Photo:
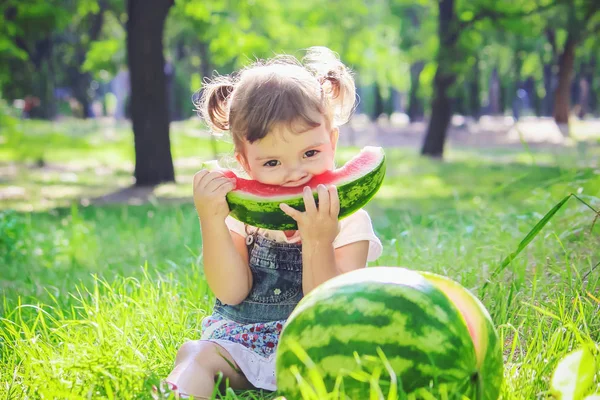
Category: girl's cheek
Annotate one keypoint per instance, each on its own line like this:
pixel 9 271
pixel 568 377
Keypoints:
pixel 323 165
pixel 268 177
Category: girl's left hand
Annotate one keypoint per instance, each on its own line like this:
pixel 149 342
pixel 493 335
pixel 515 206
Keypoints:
pixel 317 225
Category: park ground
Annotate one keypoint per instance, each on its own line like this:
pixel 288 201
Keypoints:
pixel 101 283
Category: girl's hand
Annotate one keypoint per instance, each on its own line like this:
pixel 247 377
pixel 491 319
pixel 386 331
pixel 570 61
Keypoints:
pixel 317 225
pixel 210 188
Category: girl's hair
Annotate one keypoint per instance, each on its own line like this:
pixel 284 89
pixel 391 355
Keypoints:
pixel 282 90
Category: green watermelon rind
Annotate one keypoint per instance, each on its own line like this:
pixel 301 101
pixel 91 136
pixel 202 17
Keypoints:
pixel 316 334
pixel 266 214
pixel 490 375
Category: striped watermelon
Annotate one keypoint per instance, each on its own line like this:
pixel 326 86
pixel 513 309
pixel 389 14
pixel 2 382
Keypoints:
pixel 432 331
pixel 257 204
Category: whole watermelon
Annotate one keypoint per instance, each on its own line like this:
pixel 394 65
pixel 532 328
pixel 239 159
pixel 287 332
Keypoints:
pixel 410 331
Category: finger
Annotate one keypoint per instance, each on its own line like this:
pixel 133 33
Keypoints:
pixel 292 212
pixel 225 188
pixel 309 201
pixel 334 199
pixel 213 185
pixel 199 175
pixel 212 175
pixel 323 199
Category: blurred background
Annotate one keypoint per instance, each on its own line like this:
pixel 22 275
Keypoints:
pixel 106 88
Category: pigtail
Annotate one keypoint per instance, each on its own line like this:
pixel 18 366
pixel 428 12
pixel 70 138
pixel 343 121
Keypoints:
pixel 336 82
pixel 214 102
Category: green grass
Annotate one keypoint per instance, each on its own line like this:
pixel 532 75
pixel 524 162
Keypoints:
pixel 97 299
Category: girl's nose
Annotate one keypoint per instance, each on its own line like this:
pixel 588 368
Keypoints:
pixel 296 174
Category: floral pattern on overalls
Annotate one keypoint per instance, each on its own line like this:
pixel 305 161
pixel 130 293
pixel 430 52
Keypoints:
pixel 256 322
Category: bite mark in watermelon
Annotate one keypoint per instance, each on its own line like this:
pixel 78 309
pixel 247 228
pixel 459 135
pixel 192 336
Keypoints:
pixel 257 204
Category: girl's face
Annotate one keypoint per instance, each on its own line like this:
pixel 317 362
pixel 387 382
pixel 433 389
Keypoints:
pixel 287 158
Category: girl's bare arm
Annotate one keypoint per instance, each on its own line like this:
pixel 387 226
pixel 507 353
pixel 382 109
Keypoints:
pixel 225 262
pixel 322 262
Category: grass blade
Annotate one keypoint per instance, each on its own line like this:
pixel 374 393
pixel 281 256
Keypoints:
pixel 530 236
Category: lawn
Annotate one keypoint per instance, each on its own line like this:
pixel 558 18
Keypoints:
pixel 96 298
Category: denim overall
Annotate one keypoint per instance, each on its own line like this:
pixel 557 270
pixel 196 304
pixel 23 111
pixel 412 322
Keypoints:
pixel 276 282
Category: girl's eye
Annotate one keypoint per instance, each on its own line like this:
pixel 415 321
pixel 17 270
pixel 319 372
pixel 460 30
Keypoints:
pixel 271 163
pixel 311 153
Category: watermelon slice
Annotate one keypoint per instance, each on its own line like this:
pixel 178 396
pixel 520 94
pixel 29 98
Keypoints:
pixel 257 204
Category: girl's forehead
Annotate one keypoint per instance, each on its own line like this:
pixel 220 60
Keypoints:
pixel 283 140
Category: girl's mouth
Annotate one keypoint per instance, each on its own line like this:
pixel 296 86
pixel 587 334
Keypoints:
pixel 298 182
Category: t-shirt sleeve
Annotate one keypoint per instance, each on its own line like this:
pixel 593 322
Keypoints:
pixel 235 226
pixel 358 227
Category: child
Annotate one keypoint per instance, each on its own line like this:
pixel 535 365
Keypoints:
pixel 283 117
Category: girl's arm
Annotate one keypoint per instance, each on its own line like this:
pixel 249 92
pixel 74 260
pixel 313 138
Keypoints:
pixel 225 262
pixel 321 262
pixel 225 255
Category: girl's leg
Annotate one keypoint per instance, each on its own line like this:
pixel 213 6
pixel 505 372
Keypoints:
pixel 197 364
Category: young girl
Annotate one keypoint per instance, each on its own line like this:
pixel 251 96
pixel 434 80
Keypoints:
pixel 283 116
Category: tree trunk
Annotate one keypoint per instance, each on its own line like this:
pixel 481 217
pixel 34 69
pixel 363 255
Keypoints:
pixel 379 106
pixel 517 104
pixel 584 95
pixel 441 110
pixel 43 87
pixel 563 89
pixel 149 109
pixel 83 80
pixel 549 79
pixel 494 93
pixel 536 101
pixel 81 84
pixel 593 101
pixel 47 81
pixel 414 106
pixel 547 102
pixel 586 73
pixel 474 102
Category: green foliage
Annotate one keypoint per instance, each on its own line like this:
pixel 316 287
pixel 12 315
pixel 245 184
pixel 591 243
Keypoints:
pixel 106 55
pixel 22 23
pixel 12 228
pixel 379 40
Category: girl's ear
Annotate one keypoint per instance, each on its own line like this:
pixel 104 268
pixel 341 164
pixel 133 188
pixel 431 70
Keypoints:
pixel 242 161
pixel 335 134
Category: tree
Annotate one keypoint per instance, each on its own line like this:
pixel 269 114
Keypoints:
pixel 47 45
pixel 416 26
pixel 582 19
pixel 149 108
pixel 87 30
pixel 453 49
pixel 26 48
pixel 441 110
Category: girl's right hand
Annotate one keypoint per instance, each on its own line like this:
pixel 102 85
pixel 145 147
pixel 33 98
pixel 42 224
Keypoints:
pixel 210 188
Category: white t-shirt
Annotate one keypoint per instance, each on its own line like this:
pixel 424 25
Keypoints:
pixel 354 228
